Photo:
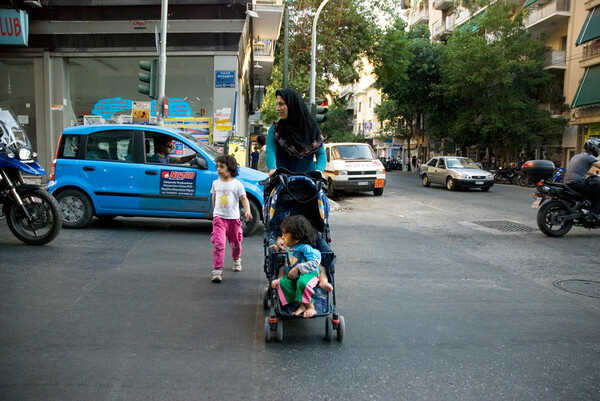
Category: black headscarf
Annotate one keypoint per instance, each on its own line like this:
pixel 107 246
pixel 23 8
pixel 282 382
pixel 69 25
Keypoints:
pixel 299 134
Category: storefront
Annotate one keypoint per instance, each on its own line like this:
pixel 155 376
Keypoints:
pixel 81 65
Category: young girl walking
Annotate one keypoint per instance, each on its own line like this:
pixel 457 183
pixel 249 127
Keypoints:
pixel 227 192
pixel 297 281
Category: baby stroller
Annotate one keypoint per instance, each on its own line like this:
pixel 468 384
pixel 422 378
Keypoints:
pixel 289 194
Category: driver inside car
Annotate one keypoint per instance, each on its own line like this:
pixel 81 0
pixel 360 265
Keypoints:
pixel 163 155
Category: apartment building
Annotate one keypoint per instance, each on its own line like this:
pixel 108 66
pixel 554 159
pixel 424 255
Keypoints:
pixel 573 34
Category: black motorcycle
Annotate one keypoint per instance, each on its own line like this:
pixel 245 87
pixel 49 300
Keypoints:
pixel 561 207
pixel 31 212
pixel 505 176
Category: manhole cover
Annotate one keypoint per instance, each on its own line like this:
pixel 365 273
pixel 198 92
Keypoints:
pixel 587 288
pixel 504 226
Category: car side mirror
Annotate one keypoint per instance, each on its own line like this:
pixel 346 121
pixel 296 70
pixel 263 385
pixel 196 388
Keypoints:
pixel 199 163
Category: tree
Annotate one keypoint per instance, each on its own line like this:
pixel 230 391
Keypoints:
pixel 492 77
pixel 407 66
pixel 344 33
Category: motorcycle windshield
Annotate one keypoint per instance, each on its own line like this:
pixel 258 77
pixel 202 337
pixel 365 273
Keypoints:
pixel 12 134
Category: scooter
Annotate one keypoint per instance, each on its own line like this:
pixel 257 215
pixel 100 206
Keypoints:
pixel 32 214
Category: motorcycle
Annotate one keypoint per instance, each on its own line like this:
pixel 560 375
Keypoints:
pixel 505 176
pixel 32 214
pixel 560 207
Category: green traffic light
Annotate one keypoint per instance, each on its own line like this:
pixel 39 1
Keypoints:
pixel 148 78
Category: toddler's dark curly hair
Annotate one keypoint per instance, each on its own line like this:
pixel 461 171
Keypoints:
pixel 230 162
pixel 300 229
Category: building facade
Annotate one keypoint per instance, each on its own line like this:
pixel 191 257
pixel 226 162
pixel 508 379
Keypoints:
pixel 81 63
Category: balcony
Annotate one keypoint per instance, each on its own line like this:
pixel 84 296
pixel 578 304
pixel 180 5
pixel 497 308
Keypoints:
pixel 549 16
pixel 591 54
pixel 442 29
pixel 421 16
pixel 589 4
pixel 556 59
pixel 442 4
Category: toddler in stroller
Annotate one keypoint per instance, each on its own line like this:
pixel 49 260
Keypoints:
pixel 288 194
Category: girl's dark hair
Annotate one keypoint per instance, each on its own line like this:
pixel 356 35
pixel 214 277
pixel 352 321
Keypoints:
pixel 230 162
pixel 300 229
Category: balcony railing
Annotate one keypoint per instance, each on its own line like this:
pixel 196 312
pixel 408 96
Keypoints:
pixel 264 47
pixel 556 59
pixel 440 28
pixel 421 16
pixel 591 50
pixel 442 4
pixel 547 10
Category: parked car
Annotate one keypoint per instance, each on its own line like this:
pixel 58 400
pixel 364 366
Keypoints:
pixel 455 172
pixel 353 166
pixel 112 170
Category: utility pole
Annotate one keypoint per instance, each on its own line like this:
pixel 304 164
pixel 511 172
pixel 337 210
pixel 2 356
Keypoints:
pixel 286 42
pixel 162 63
pixel 313 54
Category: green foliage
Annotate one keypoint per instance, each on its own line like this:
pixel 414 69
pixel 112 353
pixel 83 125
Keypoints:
pixel 338 127
pixel 491 83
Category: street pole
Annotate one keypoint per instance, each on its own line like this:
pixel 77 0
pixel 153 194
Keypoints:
pixel 286 36
pixel 313 54
pixel 162 63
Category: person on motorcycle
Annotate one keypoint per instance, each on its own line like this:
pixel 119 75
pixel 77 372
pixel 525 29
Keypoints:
pixel 578 169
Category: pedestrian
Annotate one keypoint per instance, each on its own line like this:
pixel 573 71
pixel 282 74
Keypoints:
pixel 254 158
pixel 227 192
pixel 262 164
pixel 407 163
pixel 414 163
pixel 295 140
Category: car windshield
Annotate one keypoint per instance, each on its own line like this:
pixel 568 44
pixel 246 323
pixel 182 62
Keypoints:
pixel 353 152
pixel 208 149
pixel 460 162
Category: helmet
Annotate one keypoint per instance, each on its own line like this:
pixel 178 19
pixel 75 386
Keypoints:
pixel 593 146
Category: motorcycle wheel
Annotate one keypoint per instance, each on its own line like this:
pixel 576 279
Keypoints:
pixel 46 218
pixel 549 219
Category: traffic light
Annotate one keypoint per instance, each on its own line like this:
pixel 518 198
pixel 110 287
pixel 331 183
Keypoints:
pixel 321 110
pixel 149 77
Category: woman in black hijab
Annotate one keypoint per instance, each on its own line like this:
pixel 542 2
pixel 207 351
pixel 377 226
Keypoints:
pixel 294 140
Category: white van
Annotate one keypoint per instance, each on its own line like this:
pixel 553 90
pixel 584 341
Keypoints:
pixel 353 167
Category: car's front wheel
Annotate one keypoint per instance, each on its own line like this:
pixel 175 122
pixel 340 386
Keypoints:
pixel 250 226
pixel 76 208
pixel 425 180
pixel 450 184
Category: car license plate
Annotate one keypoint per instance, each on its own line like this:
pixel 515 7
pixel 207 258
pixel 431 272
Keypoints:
pixel 363 183
pixel 478 182
pixel 536 203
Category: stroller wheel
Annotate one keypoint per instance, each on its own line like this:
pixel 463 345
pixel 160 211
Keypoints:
pixel 341 330
pixel 328 328
pixel 279 331
pixel 267 329
pixel 266 299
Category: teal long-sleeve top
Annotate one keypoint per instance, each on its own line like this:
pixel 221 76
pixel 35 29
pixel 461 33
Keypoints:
pixel 276 157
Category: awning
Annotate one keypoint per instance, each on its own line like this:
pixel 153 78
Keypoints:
pixel 591 27
pixel 528 3
pixel 588 94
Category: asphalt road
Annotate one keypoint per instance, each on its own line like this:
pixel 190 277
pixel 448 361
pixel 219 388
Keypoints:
pixel 446 296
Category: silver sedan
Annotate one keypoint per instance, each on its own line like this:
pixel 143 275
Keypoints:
pixel 455 172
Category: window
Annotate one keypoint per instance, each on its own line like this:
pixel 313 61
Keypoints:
pixel 432 162
pixel 359 106
pixel 370 102
pixel 110 145
pixel 69 147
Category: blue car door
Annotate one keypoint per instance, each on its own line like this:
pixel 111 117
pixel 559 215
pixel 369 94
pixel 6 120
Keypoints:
pixel 175 189
pixel 112 177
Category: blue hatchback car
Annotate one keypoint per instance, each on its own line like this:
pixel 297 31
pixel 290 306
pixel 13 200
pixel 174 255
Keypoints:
pixel 117 170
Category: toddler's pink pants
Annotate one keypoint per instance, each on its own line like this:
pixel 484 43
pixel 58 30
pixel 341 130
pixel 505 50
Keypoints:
pixel 226 230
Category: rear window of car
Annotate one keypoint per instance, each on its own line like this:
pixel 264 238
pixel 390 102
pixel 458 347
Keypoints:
pixel 69 147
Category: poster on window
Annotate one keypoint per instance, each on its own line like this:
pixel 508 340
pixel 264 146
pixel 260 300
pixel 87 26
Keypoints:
pixel 198 127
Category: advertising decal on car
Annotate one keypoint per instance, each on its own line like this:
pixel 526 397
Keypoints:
pixel 177 182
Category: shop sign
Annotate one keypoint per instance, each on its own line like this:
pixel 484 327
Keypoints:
pixel 14 27
pixel 224 79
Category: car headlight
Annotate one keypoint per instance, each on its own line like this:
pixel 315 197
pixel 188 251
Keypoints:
pixel 467 176
pixel 24 154
pixel 380 171
pixel 341 172
pixel 488 177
